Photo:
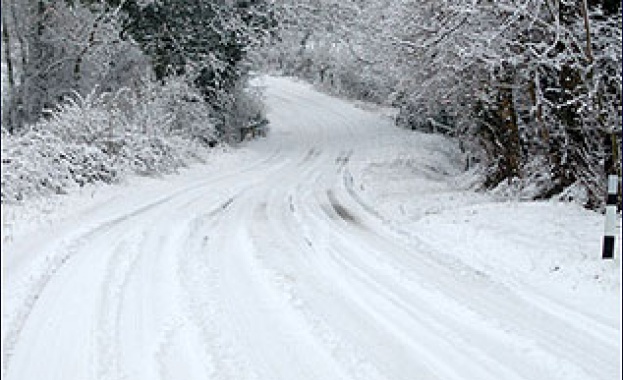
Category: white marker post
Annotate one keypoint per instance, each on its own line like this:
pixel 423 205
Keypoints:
pixel 611 218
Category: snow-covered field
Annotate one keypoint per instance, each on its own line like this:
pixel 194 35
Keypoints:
pixel 339 247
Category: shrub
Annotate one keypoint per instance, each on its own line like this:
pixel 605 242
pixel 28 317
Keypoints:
pixel 104 136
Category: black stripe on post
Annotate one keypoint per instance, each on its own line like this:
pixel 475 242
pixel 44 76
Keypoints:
pixel 608 250
pixel 611 200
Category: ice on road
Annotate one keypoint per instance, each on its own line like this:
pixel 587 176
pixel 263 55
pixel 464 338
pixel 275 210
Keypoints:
pixel 301 257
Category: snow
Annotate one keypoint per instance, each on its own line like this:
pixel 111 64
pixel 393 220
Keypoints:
pixel 338 247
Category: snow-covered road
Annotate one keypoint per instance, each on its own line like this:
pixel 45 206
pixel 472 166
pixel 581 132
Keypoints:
pixel 278 265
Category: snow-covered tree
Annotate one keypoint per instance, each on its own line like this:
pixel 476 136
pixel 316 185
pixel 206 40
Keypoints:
pixel 206 41
pixel 65 48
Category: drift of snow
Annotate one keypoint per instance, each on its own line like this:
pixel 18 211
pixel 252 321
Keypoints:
pixel 339 247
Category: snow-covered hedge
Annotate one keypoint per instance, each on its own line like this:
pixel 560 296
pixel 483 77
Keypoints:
pixel 103 137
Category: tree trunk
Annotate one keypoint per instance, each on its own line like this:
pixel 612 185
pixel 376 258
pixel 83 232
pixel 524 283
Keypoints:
pixel 8 57
pixel 511 159
pixel 8 53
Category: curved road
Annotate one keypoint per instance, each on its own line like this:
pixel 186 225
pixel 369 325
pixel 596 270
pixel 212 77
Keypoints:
pixel 276 269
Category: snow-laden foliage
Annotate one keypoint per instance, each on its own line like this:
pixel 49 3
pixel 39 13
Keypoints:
pixel 61 48
pixel 207 42
pixel 99 89
pixel 103 137
pixel 244 116
pixel 58 48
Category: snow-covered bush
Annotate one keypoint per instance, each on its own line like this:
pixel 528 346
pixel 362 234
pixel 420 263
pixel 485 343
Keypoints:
pixel 102 137
pixel 32 164
pixel 241 113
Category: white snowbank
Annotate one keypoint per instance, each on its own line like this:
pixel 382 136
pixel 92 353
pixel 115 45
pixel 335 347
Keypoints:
pixel 551 248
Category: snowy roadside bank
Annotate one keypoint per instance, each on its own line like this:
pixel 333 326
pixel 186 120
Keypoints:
pixel 549 250
pixel 22 218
